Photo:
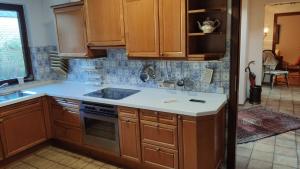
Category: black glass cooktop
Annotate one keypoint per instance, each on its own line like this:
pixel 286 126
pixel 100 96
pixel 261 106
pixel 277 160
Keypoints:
pixel 112 93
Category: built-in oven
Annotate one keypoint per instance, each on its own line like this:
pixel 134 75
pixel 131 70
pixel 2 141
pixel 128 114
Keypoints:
pixel 100 126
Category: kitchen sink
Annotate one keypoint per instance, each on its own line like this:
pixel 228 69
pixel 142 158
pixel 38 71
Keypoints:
pixel 12 95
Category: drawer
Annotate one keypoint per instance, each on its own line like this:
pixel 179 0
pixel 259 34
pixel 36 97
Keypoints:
pixel 149 115
pixel 67 133
pixel 63 115
pixel 128 112
pixel 159 134
pixel 161 117
pixel 160 157
pixel 167 118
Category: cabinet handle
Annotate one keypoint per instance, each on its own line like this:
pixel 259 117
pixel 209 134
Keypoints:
pixel 161 54
pixel 157 125
pixel 155 113
pixel 157 149
pixel 1 120
pixel 179 117
pixel 127 121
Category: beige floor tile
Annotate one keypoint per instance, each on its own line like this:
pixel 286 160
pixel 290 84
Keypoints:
pixel 92 166
pixel 285 161
pixel 38 162
pixel 24 166
pixel 286 143
pixel 13 165
pixel 257 164
pixel 264 147
pixel 285 151
pixel 263 156
pixel 241 162
pixel 282 167
pixel 245 152
pixel 79 164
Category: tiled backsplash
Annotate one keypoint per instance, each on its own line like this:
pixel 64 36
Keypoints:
pixel 117 69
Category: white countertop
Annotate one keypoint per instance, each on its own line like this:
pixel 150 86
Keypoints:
pixel 147 98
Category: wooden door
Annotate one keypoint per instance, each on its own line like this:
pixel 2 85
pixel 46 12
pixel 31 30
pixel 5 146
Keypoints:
pixel 142 28
pixel 160 157
pixel 105 22
pixel 71 30
pixel 172 28
pixel 130 139
pixel 22 129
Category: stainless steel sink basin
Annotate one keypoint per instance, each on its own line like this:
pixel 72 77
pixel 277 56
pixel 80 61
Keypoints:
pixel 12 95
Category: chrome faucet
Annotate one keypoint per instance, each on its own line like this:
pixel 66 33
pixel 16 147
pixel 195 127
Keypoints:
pixel 3 85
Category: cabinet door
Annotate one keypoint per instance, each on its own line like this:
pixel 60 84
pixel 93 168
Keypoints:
pixel 159 157
pixel 71 31
pixel 130 139
pixel 142 30
pixel 23 129
pixel 172 28
pixel 105 22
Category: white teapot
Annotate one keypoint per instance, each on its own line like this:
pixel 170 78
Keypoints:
pixel 208 25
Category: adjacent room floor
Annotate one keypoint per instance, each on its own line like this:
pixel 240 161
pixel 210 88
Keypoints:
pixel 54 158
pixel 278 152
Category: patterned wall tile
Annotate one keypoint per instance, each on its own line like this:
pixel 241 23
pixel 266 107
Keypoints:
pixel 117 69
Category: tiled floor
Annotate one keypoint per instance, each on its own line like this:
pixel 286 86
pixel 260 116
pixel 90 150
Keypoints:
pixel 55 158
pixel 278 152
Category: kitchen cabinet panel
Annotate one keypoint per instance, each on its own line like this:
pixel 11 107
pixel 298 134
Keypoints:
pixel 23 128
pixel 160 157
pixel 67 133
pixel 130 139
pixel 71 31
pixel 105 22
pixel 172 28
pixel 142 28
pixel 129 131
pixel 159 134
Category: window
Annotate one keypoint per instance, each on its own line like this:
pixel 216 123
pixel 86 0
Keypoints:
pixel 14 51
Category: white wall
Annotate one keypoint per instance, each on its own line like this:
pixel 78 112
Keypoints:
pixel 34 21
pixel 252 41
pixel 49 21
pixel 270 11
pixel 243 52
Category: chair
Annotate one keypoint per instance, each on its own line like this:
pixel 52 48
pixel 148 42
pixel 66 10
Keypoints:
pixel 270 66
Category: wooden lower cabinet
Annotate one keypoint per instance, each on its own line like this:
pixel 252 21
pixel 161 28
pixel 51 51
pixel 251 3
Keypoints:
pixel 67 133
pixel 22 126
pixel 130 139
pixel 160 157
pixel 159 134
pixel 129 130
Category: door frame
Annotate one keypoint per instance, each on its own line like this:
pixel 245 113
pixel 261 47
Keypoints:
pixel 275 30
pixel 234 79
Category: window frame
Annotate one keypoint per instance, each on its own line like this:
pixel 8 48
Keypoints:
pixel 24 39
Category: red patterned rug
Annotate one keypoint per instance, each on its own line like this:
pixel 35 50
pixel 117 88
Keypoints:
pixel 259 122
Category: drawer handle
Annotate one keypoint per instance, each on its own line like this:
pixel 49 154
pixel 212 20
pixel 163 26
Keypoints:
pixel 127 121
pixel 1 120
pixel 157 125
pixel 157 149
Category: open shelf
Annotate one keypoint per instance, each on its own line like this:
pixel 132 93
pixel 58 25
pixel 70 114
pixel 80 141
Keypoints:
pixel 205 56
pixel 206 10
pixel 206 46
pixel 205 34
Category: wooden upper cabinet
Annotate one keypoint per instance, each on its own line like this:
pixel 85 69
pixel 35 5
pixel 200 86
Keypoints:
pixel 172 28
pixel 71 31
pixel 105 23
pixel 142 28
